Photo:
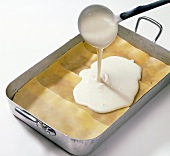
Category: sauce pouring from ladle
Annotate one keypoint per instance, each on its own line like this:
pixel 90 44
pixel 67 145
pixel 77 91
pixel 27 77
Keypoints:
pixel 98 25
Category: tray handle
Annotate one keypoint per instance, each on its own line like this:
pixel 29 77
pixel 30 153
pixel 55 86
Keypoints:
pixel 152 21
pixel 37 122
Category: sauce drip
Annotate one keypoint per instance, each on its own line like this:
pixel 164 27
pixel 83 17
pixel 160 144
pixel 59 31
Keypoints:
pixel 98 26
pixel 99 63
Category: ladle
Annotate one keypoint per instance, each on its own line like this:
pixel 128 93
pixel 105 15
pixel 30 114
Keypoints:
pixel 98 25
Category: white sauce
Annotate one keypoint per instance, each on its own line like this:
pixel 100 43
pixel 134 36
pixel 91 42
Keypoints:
pixel 98 26
pixel 117 89
pixel 99 63
pixel 114 84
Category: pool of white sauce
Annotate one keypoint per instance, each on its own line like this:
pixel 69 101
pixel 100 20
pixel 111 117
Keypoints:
pixel 117 89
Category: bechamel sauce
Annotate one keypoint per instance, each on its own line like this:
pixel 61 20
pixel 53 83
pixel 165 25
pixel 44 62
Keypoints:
pixel 98 26
pixel 99 63
pixel 117 89
pixel 114 84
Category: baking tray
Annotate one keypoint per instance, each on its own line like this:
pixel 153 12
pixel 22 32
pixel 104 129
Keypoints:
pixel 77 146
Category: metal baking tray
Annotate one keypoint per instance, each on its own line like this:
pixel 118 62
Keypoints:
pixel 76 146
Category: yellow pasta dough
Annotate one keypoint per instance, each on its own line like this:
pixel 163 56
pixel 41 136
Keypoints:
pixel 49 96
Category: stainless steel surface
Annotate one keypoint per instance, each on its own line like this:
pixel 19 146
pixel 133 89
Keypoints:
pixel 152 21
pixel 83 147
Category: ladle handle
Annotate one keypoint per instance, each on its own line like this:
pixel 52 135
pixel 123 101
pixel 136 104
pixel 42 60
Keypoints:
pixel 142 8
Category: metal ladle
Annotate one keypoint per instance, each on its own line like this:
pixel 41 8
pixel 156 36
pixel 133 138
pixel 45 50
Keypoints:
pixel 92 10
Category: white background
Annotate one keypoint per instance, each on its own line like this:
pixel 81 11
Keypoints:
pixel 32 29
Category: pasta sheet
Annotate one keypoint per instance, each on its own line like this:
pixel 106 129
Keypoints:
pixel 49 95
